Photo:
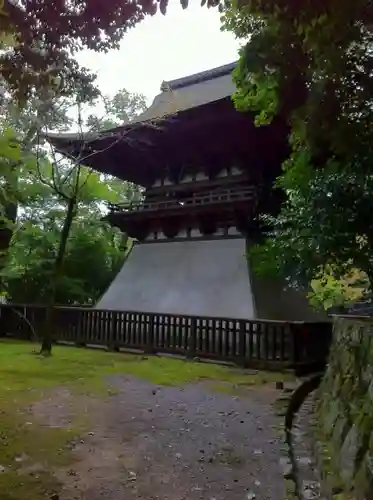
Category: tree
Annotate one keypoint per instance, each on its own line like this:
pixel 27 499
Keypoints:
pixel 44 202
pixel 329 290
pixel 75 186
pixel 94 254
pixel 72 183
pixel 25 124
pixel 323 228
pixel 311 63
pixel 45 35
pixel 122 108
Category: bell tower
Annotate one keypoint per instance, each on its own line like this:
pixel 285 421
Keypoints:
pixel 207 173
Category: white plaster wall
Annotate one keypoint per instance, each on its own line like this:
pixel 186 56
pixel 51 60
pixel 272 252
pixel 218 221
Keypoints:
pixel 202 278
pixel 206 278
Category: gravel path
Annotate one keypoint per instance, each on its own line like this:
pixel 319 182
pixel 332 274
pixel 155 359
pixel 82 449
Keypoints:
pixel 172 443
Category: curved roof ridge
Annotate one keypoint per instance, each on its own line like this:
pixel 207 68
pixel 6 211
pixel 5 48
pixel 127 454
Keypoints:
pixel 200 77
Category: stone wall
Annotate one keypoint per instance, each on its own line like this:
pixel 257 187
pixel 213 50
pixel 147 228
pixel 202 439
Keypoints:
pixel 345 410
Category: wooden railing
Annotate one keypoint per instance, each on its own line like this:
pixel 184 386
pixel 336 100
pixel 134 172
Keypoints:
pixel 212 197
pixel 245 342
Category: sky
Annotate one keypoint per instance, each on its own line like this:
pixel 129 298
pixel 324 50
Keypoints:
pixel 164 48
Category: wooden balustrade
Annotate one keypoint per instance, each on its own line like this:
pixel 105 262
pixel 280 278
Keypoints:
pixel 252 343
pixel 212 197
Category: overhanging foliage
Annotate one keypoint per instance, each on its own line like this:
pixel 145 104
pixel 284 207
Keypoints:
pixel 312 62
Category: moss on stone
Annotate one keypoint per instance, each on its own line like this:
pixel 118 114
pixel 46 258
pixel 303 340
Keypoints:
pixel 363 479
pixel 342 496
pixel 345 408
pixel 289 486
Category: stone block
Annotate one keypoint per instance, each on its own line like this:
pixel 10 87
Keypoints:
pixel 348 455
pixel 310 490
pixel 370 390
pixel 369 462
pixel 345 412
pixel 329 415
pixel 287 468
pixel 370 446
pixel 363 479
pixel 340 430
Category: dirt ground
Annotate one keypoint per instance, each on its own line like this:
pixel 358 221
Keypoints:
pixel 170 443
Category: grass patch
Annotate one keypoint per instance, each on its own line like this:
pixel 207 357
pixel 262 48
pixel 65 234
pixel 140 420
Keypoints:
pixel 40 486
pixel 25 377
pixel 86 369
pixel 29 451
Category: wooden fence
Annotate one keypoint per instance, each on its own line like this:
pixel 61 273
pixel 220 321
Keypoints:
pixel 266 343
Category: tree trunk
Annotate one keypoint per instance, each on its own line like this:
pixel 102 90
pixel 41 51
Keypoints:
pixel 46 347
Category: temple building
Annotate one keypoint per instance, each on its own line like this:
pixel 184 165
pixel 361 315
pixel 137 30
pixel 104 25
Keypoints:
pixel 207 173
